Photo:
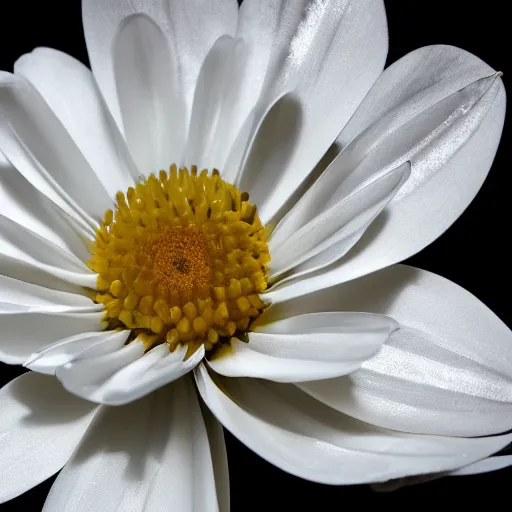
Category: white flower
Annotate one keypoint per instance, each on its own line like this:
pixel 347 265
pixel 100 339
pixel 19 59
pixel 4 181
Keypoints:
pixel 358 371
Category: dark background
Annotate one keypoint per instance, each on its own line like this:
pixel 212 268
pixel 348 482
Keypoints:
pixel 474 252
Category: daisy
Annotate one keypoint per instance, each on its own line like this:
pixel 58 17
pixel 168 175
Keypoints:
pixel 205 231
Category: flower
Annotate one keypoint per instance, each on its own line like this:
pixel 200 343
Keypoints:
pixel 262 99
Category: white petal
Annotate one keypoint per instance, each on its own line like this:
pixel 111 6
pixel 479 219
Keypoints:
pixel 71 92
pixel 152 455
pixel 149 95
pixel 26 330
pixel 399 483
pixel 424 77
pixel 191 28
pixel 215 121
pixel 447 370
pixel 126 374
pixel 330 235
pixel 92 344
pixel 21 202
pixel 38 145
pixel 27 295
pixel 244 143
pixel 306 347
pixel 219 457
pixel 27 256
pixel 446 119
pixel 329 54
pixel 40 426
pixel 308 439
pixel 484 466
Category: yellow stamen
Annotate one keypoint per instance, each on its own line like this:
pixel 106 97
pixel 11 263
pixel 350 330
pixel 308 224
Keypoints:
pixel 182 259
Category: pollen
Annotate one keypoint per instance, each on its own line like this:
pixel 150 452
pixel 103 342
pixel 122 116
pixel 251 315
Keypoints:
pixel 182 259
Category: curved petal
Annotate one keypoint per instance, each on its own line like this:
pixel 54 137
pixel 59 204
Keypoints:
pixel 151 455
pixel 21 202
pixel 399 483
pixel 40 427
pixel 308 439
pixel 26 330
pixel 215 121
pixel 484 466
pixel 70 90
pixel 190 30
pixel 447 370
pixel 92 344
pixel 329 54
pixel 26 295
pixel 260 114
pixel 148 91
pixel 306 347
pixel 219 457
pixel 27 256
pixel 127 374
pixel 440 108
pixel 37 144
pixel 331 234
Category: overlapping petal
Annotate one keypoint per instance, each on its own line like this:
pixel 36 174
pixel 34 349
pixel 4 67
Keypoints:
pixel 217 107
pixel 447 370
pixel 34 140
pixel 149 94
pixel 189 28
pixel 69 88
pixel 40 427
pixel 263 94
pixel 123 374
pixel 28 256
pixel 305 347
pixel 306 438
pixel 327 55
pixel 85 344
pixel 154 454
pixel 447 121
pixel 33 316
pixel 484 466
pixel 24 204
pixel 326 238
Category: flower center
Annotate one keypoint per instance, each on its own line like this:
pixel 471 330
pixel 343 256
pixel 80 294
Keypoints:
pixel 181 260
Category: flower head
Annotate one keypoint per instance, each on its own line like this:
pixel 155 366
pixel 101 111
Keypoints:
pixel 225 195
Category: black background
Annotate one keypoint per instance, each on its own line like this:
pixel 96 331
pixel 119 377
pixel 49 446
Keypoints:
pixel 474 252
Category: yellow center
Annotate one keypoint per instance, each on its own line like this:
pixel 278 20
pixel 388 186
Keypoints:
pixel 181 260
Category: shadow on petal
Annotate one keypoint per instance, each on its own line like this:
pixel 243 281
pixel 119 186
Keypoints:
pixel 52 405
pixel 272 149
